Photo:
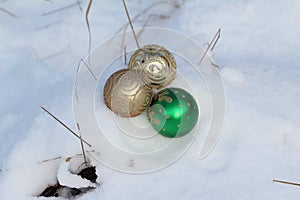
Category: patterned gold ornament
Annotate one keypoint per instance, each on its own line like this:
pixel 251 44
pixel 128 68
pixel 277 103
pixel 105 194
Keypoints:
pixel 126 92
pixel 158 63
pixel 173 112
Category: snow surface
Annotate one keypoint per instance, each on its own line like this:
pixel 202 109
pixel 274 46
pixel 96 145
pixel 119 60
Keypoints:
pixel 258 55
pixel 66 174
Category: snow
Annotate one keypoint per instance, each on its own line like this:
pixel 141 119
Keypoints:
pixel 232 75
pixel 258 58
pixel 66 174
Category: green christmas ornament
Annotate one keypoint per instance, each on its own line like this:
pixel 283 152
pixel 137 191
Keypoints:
pixel 173 112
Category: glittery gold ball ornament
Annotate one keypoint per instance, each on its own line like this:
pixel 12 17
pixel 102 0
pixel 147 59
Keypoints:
pixel 158 63
pixel 173 112
pixel 126 92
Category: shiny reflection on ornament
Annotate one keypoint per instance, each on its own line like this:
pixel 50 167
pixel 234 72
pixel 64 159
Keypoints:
pixel 173 112
pixel 158 62
pixel 154 68
pixel 108 134
pixel 139 127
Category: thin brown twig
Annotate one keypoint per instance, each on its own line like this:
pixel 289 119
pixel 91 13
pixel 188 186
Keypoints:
pixel 143 12
pixel 131 25
pixel 211 44
pixel 51 159
pixel 83 152
pixel 60 157
pixel 82 147
pixel 64 125
pixel 140 14
pixel 78 67
pixel 89 27
pixel 286 182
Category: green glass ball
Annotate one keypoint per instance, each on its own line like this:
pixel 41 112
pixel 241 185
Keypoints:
pixel 173 112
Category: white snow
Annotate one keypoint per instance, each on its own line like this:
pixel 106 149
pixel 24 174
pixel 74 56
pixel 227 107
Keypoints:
pixel 66 174
pixel 232 75
pixel 259 62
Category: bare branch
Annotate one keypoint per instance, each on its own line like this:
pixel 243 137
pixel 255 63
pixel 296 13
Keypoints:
pixel 82 147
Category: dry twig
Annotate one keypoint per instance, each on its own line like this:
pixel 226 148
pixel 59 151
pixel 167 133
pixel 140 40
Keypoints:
pixel 64 125
pixel 212 45
pixel 131 25
pixel 88 26
pixel 286 182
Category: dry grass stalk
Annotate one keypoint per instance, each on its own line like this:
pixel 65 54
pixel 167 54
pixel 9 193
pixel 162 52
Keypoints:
pixel 77 73
pixel 141 13
pixel 89 27
pixel 64 125
pixel 131 25
pixel 60 157
pixel 174 4
pixel 51 159
pixel 211 45
pixel 82 147
pixel 286 182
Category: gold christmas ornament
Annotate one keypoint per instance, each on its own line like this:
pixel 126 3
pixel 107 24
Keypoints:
pixel 127 93
pixel 158 63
